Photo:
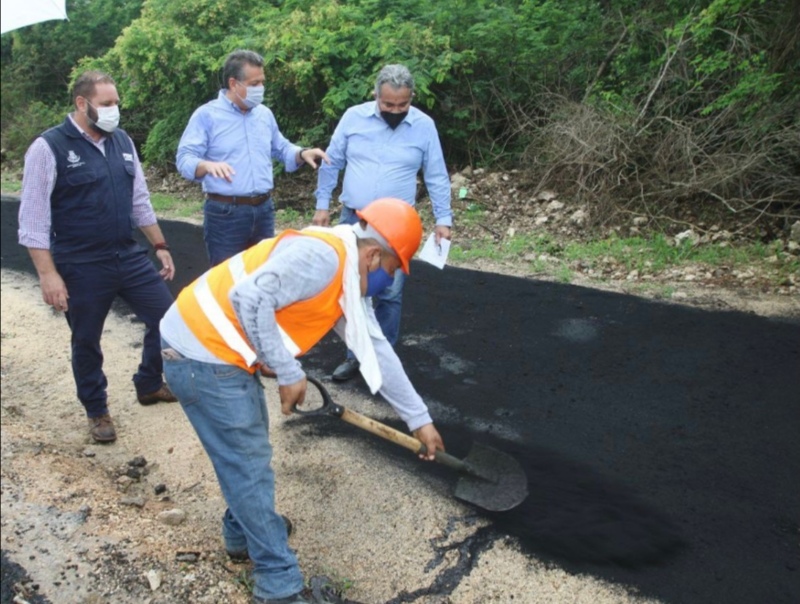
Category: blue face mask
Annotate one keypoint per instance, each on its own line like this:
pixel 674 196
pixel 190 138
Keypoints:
pixel 255 96
pixel 377 281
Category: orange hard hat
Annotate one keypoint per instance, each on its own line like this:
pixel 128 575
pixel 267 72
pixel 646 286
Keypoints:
pixel 398 223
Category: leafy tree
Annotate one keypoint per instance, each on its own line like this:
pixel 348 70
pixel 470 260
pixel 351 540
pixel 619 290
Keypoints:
pixel 692 100
pixel 323 57
pixel 166 63
pixel 37 64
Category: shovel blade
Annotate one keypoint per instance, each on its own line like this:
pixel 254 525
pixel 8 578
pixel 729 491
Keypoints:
pixel 495 482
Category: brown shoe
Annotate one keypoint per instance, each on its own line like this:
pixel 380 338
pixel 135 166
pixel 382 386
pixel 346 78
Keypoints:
pixel 162 395
pixel 102 429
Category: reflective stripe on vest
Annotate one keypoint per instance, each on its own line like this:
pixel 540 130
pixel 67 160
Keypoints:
pixel 230 335
pixel 207 311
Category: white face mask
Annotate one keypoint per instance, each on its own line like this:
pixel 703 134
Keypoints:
pixel 107 118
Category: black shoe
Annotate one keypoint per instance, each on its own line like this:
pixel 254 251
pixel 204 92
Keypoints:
pixel 289 525
pixel 346 371
pixel 239 557
pixel 242 556
pixel 321 592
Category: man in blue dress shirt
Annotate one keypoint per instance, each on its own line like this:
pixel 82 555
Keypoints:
pixel 228 146
pixel 382 145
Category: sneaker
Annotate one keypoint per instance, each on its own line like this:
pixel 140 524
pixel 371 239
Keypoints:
pixel 346 371
pixel 162 395
pixel 102 429
pixel 242 556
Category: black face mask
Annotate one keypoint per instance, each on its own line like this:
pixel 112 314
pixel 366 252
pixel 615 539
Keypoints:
pixel 393 119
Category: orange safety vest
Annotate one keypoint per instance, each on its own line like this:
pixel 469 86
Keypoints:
pixel 207 310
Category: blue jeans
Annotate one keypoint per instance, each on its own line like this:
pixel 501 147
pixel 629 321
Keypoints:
pixel 230 228
pixel 388 304
pixel 92 288
pixel 227 409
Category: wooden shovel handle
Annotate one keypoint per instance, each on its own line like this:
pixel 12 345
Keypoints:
pixel 404 440
pixel 384 431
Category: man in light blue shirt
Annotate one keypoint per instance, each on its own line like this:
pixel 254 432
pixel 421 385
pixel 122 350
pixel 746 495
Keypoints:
pixel 382 145
pixel 229 145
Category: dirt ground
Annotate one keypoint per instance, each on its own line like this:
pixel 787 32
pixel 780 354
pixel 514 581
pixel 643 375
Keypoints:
pixel 138 521
pixel 85 524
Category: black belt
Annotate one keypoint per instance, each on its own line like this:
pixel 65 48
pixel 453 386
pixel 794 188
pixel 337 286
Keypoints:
pixel 246 200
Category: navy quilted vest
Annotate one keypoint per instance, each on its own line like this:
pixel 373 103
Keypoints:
pixel 92 200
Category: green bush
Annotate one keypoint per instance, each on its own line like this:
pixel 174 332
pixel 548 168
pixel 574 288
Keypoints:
pixel 38 63
pixel 662 103
pixel 28 123
pixel 162 141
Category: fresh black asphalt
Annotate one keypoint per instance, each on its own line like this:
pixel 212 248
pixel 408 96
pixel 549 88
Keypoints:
pixel 661 442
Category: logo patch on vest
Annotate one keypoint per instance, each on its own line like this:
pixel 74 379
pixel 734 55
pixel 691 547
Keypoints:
pixel 127 156
pixel 74 159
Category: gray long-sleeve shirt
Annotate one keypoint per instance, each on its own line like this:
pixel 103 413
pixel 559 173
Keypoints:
pixel 299 268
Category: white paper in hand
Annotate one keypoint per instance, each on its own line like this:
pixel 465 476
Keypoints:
pixel 435 253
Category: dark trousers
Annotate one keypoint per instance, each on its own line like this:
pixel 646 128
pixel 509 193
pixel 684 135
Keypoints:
pixel 92 288
pixel 229 228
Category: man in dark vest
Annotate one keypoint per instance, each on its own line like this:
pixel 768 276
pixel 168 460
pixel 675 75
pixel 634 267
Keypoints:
pixel 83 191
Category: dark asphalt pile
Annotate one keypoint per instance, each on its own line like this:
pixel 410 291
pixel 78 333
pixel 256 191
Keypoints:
pixel 660 442
pixel 15 583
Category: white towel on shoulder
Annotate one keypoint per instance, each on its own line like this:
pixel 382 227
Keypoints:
pixel 361 324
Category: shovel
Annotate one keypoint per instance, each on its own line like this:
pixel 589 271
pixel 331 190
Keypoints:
pixel 488 478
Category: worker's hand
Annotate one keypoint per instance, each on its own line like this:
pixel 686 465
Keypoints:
pixel 313 156
pixel 217 169
pixel 291 395
pixel 267 372
pixel 54 292
pixel 168 270
pixel 321 218
pixel 428 435
pixel 441 232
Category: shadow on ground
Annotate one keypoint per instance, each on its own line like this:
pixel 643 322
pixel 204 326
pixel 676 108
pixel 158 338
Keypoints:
pixel 660 442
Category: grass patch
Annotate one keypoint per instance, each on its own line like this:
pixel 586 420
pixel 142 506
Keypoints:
pixel 167 206
pixel 485 247
pixel 245 579
pixel 543 254
pixel 657 253
pixel 291 218
pixel 472 214
pixel 659 291
pixel 564 274
pixel 11 185
pixel 513 247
